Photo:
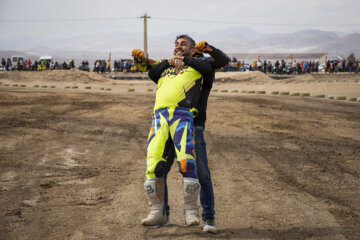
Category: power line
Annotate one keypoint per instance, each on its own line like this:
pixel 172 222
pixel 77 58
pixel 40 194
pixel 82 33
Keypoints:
pixel 257 23
pixel 185 20
pixel 68 19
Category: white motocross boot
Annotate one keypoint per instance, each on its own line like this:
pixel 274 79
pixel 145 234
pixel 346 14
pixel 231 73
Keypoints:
pixel 154 189
pixel 191 195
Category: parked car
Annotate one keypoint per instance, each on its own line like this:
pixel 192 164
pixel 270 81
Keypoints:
pixel 15 60
pixel 46 59
pixel 84 67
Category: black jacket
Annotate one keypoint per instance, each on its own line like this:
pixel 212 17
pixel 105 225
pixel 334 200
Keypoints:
pixel 218 59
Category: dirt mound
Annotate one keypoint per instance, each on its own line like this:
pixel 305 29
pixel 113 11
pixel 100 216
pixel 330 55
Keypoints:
pixel 55 76
pixel 321 77
pixel 260 77
pixel 242 77
pixel 345 77
pixel 298 78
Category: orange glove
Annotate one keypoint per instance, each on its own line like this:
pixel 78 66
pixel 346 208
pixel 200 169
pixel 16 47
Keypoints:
pixel 198 51
pixel 137 53
pixel 202 46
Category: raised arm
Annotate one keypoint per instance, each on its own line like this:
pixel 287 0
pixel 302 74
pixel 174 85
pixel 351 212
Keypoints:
pixel 143 64
pixel 220 59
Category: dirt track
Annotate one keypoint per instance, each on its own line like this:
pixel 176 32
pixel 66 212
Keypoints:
pixel 72 166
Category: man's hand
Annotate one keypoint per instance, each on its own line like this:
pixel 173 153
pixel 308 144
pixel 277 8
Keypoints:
pixel 202 46
pixel 177 62
pixel 137 54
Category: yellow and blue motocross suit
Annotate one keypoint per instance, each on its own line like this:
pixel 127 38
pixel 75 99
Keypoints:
pixel 173 119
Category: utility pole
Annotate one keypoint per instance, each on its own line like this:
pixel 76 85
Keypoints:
pixel 145 17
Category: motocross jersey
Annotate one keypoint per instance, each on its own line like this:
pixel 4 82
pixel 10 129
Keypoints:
pixel 179 88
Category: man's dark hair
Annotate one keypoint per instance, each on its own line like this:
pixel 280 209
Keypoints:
pixel 192 42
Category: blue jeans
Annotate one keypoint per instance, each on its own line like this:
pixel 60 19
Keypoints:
pixel 206 192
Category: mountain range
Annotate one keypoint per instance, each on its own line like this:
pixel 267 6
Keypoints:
pixel 235 39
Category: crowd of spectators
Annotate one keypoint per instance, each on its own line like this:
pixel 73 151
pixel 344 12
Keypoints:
pixel 100 66
pixel 127 65
pixel 124 65
pixel 335 66
pixel 37 65
pixel 293 66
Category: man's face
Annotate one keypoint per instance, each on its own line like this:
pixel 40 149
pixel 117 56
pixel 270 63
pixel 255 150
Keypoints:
pixel 183 48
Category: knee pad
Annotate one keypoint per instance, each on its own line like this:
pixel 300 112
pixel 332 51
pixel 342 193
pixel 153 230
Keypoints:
pixel 159 169
pixel 154 189
pixel 191 192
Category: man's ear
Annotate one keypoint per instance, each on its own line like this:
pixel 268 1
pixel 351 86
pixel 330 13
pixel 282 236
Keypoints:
pixel 192 51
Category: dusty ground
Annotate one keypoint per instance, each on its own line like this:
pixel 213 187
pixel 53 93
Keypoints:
pixel 72 161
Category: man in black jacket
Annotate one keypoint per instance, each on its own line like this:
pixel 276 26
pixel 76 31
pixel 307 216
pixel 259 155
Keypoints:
pixel 217 60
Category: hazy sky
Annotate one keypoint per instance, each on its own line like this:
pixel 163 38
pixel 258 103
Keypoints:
pixel 65 18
